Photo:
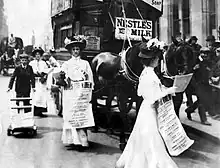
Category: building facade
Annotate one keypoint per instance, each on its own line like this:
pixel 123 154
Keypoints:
pixel 190 18
pixel 97 21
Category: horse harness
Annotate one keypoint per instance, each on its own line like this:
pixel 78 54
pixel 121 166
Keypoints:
pixel 126 70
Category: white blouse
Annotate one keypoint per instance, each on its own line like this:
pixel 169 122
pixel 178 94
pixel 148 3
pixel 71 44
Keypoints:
pixel 77 69
pixel 39 66
pixel 150 87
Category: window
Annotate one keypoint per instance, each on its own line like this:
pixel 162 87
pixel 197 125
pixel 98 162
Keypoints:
pixel 212 16
pixel 176 20
pixel 184 19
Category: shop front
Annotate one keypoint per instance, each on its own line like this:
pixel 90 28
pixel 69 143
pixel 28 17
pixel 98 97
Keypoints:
pixel 105 23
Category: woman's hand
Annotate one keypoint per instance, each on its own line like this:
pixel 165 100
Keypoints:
pixel 171 90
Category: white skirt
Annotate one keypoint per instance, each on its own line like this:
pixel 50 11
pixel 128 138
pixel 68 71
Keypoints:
pixel 74 136
pixel 145 147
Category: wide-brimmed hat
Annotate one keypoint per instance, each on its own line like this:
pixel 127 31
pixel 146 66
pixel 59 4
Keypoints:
pixel 37 49
pixel 24 56
pixel 151 49
pixel 210 38
pixel 46 54
pixel 193 38
pixel 75 41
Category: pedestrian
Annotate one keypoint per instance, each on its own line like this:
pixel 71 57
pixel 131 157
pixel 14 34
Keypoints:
pixel 211 43
pixel 50 60
pixel 215 79
pixel 24 76
pixel 202 87
pixel 145 146
pixel 75 70
pixel 39 67
pixel 196 52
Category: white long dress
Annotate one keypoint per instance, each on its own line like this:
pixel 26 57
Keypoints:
pixel 74 69
pixel 145 147
pixel 41 94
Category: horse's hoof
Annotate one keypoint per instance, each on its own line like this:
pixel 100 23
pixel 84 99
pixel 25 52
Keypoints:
pixel 109 131
pixel 122 146
pixel 189 116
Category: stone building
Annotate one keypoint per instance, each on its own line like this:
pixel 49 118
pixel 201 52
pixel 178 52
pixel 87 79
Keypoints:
pixel 190 17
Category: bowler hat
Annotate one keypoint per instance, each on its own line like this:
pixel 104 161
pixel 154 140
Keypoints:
pixel 210 38
pixel 37 49
pixel 25 56
pixel 75 41
pixel 194 38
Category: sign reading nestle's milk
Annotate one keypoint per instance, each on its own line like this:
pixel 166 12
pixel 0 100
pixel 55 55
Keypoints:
pixel 132 28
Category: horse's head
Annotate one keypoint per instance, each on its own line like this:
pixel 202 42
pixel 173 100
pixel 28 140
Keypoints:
pixel 132 58
pixel 179 57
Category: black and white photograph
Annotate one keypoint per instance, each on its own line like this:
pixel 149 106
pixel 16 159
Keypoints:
pixel 109 83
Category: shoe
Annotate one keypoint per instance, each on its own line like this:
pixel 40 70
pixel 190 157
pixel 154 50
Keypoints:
pixel 206 123
pixel 216 116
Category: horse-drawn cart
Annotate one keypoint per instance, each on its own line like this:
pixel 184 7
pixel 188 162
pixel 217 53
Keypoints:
pixel 9 54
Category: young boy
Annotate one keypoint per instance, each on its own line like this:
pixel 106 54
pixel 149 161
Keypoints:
pixel 24 79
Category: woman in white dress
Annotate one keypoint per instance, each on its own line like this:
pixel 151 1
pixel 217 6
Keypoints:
pixel 75 70
pixel 40 68
pixel 145 147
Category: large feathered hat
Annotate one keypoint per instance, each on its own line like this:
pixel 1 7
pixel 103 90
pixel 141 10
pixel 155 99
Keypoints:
pixel 151 48
pixel 78 41
pixel 37 49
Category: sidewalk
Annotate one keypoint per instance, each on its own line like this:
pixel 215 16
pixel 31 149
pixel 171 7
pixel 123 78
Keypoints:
pixel 209 132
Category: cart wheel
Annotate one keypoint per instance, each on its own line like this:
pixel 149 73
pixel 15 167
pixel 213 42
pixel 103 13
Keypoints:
pixel 9 132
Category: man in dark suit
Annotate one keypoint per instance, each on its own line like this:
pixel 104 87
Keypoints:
pixel 24 76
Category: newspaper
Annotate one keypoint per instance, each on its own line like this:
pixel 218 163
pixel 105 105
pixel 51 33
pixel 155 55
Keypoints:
pixel 181 82
pixel 171 129
pixel 77 105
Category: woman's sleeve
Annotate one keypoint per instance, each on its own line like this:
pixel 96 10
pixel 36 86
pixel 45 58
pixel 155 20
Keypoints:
pixel 150 90
pixel 90 74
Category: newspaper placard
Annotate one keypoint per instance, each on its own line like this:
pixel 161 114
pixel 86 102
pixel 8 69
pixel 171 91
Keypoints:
pixel 77 107
pixel 181 82
pixel 171 129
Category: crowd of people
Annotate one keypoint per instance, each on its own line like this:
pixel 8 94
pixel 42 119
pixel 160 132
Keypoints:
pixel 207 71
pixel 141 150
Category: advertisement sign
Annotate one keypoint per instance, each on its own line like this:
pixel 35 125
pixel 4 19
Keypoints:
pixel 58 6
pixel 132 28
pixel 171 129
pixel 158 4
pixel 92 43
pixel 76 104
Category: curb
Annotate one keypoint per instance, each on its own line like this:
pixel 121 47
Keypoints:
pixel 205 135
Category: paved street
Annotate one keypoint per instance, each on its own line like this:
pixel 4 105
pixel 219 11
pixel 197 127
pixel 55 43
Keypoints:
pixel 47 151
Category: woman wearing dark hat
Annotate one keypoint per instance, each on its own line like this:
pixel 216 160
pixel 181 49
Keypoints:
pixel 145 147
pixel 40 68
pixel 24 79
pixel 75 70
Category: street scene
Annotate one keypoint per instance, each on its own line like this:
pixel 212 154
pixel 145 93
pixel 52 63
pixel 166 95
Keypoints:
pixel 109 84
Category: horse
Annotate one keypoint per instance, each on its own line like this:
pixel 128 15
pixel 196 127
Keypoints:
pixel 10 55
pixel 120 72
pixel 180 60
